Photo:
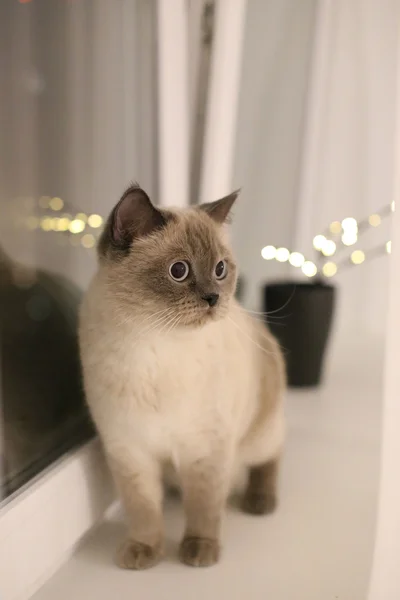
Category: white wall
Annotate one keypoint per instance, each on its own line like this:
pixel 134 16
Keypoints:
pixel 385 576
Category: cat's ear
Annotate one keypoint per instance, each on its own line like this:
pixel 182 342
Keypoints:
pixel 134 216
pixel 220 209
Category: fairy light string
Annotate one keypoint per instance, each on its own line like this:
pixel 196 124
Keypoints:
pixel 59 216
pixel 83 230
pixel 338 236
pixel 346 233
pixel 329 268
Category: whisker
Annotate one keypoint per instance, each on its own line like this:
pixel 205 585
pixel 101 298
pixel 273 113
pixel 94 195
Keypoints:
pixel 174 324
pixel 263 314
pixel 158 312
pixel 268 316
pixel 165 326
pixel 286 303
pixel 250 338
pixel 263 317
pixel 157 322
pixel 152 327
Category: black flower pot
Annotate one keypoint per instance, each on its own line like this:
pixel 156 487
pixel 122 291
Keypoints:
pixel 300 316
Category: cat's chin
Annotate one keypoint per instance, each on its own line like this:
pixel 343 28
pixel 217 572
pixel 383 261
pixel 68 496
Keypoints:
pixel 204 318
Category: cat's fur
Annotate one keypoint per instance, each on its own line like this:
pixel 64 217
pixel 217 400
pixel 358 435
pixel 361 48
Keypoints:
pixel 175 384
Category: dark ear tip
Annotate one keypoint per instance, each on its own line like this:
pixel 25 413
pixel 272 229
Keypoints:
pixel 233 195
pixel 219 210
pixel 133 188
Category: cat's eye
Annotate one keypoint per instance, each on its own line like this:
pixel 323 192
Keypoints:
pixel 179 270
pixel 221 270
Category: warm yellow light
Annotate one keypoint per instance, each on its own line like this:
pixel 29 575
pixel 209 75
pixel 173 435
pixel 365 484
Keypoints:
pixel 268 252
pixel 32 223
pixel 88 240
pixel 329 248
pixel 76 226
pixel 374 220
pixel 319 241
pixel 357 257
pixel 54 223
pixel 56 204
pixel 329 269
pixel 349 238
pixel 389 247
pixel 349 224
pixel 296 259
pixel 95 221
pixel 335 227
pixel 44 201
pixel 46 224
pixel 81 217
pixel 282 254
pixel 309 269
pixel 392 206
pixel 63 224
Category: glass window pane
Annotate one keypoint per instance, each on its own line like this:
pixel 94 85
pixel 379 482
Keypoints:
pixel 76 99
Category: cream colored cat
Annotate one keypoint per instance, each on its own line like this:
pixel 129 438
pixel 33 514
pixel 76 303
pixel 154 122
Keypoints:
pixel 178 376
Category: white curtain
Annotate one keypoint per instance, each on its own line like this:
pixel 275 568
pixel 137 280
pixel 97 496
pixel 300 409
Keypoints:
pixel 348 144
pixel 275 66
pixel 315 137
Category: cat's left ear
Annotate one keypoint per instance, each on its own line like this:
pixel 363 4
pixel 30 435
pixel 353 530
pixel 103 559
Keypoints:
pixel 220 209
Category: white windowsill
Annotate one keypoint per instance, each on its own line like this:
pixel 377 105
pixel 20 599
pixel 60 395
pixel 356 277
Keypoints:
pixel 41 527
pixel 319 543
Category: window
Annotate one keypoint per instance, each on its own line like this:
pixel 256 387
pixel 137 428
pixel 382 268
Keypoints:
pixel 77 96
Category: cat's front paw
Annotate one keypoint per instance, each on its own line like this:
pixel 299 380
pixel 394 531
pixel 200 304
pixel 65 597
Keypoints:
pixel 259 503
pixel 199 552
pixel 134 555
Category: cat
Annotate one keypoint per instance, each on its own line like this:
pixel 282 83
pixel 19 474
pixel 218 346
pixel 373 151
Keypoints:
pixel 177 375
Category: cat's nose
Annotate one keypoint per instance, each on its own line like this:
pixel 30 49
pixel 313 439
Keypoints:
pixel 212 299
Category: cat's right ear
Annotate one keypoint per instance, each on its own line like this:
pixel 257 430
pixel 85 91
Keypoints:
pixel 134 216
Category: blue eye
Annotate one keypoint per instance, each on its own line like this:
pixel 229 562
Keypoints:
pixel 221 270
pixel 179 270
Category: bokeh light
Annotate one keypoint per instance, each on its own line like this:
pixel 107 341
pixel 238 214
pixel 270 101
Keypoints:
pixel 268 252
pixel 309 268
pixel 95 221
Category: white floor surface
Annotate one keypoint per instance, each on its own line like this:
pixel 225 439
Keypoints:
pixel 317 546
